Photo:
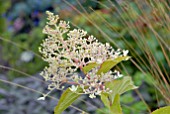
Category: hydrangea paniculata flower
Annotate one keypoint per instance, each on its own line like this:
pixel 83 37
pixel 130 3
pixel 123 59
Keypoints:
pixel 67 50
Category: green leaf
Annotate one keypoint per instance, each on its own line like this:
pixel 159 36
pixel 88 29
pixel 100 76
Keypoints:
pixel 120 86
pixel 115 107
pixel 110 63
pixel 88 67
pixel 104 98
pixel 66 99
pixel 164 110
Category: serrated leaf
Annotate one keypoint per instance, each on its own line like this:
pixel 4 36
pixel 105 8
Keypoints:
pixel 164 110
pixel 110 63
pixel 88 67
pixel 66 99
pixel 120 86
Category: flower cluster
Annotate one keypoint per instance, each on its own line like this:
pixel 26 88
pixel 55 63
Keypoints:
pixel 67 50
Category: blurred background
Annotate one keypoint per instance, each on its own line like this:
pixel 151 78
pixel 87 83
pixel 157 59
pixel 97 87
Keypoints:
pixel 141 26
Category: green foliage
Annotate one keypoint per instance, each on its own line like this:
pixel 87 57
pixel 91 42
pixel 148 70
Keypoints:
pixel 164 110
pixel 139 78
pixel 4 5
pixel 108 64
pixel 105 66
pixel 12 53
pixel 114 107
pixel 66 99
pixel 132 105
pixel 104 98
pixel 118 87
pixel 88 67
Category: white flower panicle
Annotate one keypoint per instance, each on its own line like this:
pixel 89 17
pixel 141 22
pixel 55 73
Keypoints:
pixel 67 50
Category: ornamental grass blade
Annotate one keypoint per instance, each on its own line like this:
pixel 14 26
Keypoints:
pixel 163 110
pixel 110 63
pixel 66 99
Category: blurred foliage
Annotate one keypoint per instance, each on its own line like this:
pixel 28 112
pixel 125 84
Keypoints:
pixel 15 58
pixel 15 100
pixel 4 5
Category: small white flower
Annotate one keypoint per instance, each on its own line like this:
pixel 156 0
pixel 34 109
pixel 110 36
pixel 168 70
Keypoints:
pixel 41 98
pixel 107 45
pixel 98 92
pixel 73 88
pixel 92 96
pixel 125 52
pixel 119 75
pixel 99 61
pixel 93 84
